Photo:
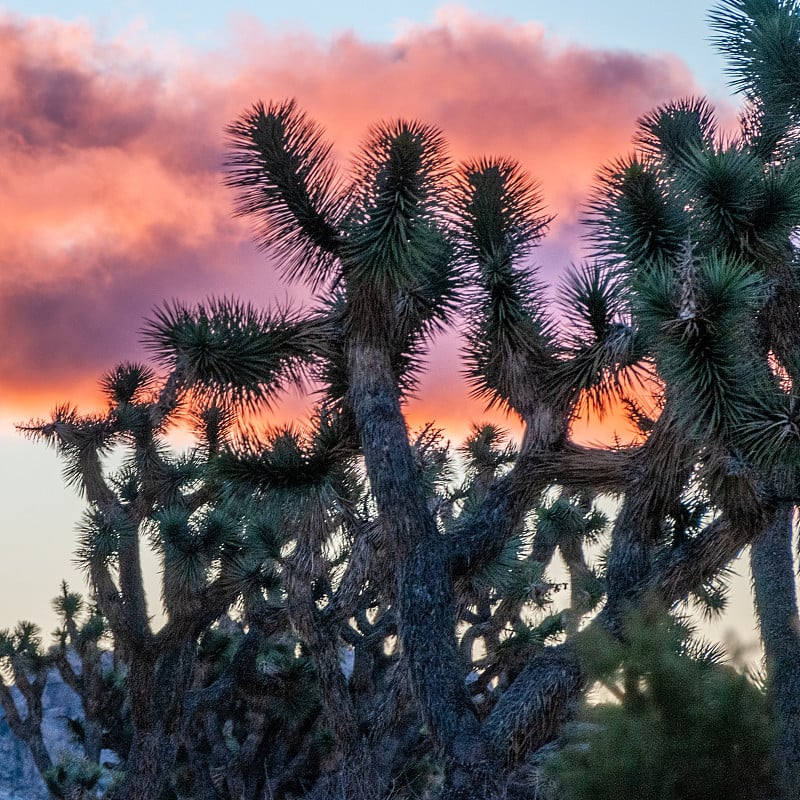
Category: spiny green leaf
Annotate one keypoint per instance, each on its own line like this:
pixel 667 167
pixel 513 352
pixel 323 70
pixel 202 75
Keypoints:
pixel 67 604
pixel 604 358
pixel 127 382
pixel 214 424
pixel 776 213
pixel 283 460
pixel 725 185
pixel 99 536
pixel 634 218
pixel 510 339
pixel 79 440
pixel 393 233
pixel 706 355
pixel 500 214
pixel 286 181
pixel 672 131
pixel 231 351
pixel 761 40
pixel 487 448
pixel 770 432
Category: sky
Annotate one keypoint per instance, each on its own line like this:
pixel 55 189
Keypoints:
pixel 111 196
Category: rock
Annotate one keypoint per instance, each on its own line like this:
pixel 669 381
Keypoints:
pixel 19 778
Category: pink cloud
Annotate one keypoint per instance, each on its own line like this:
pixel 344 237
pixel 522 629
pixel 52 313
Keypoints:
pixel 110 157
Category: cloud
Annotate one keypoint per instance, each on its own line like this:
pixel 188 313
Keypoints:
pixel 110 161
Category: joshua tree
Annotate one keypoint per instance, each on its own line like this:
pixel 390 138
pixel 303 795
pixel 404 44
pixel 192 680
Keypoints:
pixel 249 713
pixel 703 230
pixel 78 658
pixel 695 283
pixel 171 501
pixel 26 667
pixel 762 42
pixel 350 529
pixel 394 252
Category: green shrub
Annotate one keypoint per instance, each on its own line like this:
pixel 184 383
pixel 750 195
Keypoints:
pixel 681 726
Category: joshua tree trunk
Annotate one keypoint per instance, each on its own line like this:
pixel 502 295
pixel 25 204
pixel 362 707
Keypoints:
pixel 158 687
pixel 145 775
pixel 772 565
pixel 425 588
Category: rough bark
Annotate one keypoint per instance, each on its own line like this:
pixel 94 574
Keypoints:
pixel 157 689
pixel 144 774
pixel 535 707
pixel 425 590
pixel 772 566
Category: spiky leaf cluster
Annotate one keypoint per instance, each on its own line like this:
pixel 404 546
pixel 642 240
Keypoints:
pixel 79 440
pixel 510 343
pixel 569 518
pixel 704 347
pixel 604 350
pixel 191 544
pixel 394 239
pixel 635 218
pixel 487 448
pixel 762 49
pixel 99 536
pixel 286 180
pixel 73 777
pixel 228 350
pixel 127 382
pixel 674 132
